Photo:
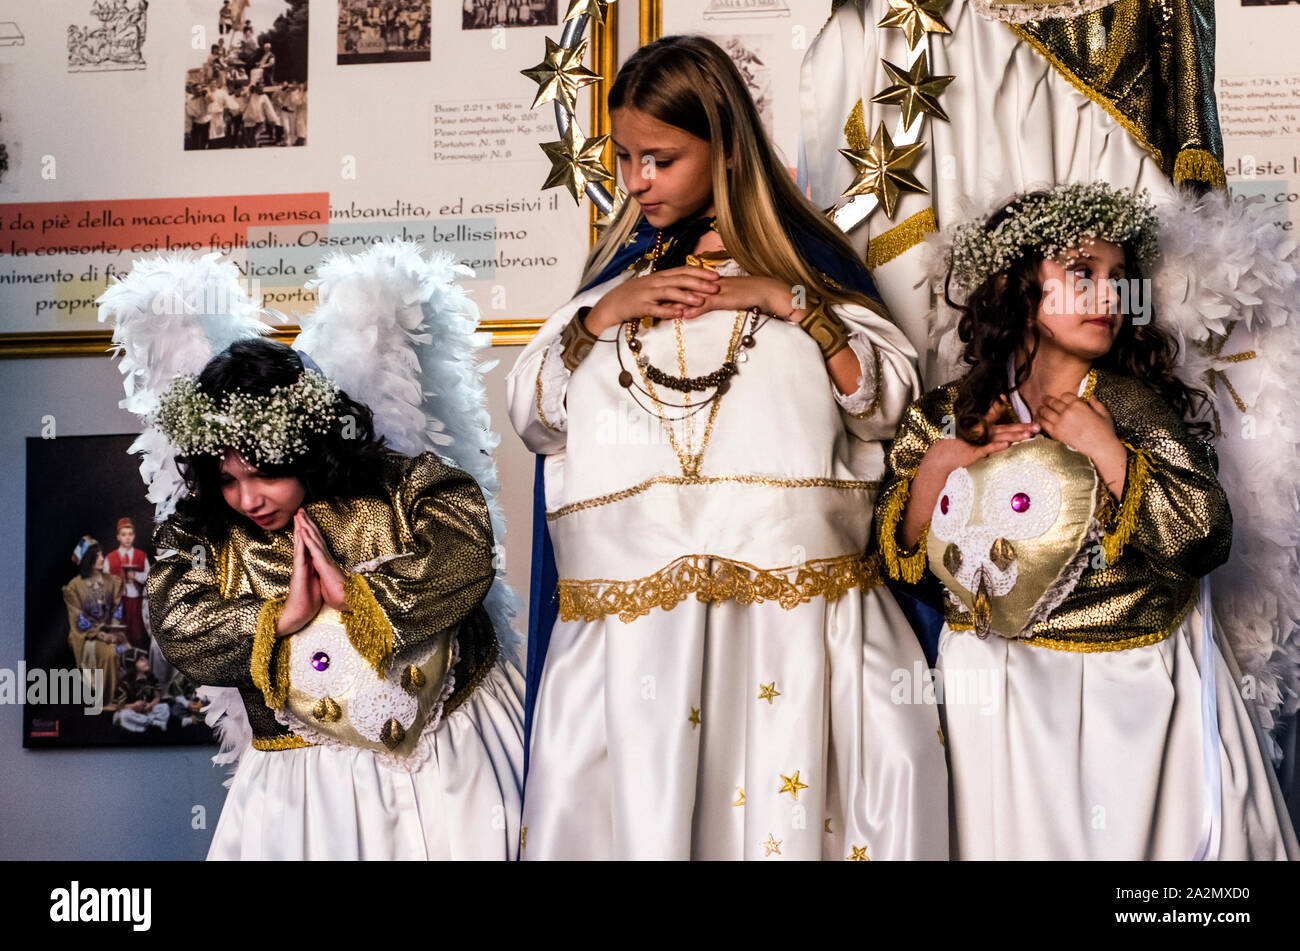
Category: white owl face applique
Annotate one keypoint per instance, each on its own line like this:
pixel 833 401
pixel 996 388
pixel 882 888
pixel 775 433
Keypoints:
pixel 1006 534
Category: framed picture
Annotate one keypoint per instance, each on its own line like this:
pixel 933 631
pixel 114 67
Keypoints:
pixel 421 128
pixel 92 674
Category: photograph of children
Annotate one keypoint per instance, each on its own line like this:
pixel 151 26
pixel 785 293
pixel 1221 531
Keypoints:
pixel 384 31
pixel 92 674
pixel 249 89
pixel 486 14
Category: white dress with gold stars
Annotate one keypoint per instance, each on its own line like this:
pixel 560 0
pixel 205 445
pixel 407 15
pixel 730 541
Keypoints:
pixel 718 684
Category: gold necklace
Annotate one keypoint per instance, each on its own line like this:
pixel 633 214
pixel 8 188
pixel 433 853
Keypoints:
pixel 689 459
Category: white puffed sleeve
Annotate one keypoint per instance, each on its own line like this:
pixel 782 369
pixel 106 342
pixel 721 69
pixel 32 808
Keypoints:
pixel 538 383
pixel 887 381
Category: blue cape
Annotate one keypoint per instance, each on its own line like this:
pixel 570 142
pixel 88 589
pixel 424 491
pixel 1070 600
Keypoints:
pixel 543 598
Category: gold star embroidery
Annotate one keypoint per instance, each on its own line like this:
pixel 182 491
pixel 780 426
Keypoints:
pixel 772 844
pixel 828 825
pixel 915 18
pixel 858 854
pixel 740 797
pixel 883 170
pixel 768 692
pixel 592 8
pixel 694 718
pixel 575 161
pixel 561 74
pixel 915 91
pixel 792 785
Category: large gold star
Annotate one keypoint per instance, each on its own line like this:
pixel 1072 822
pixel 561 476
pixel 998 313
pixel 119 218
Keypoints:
pixel 915 18
pixel 773 844
pixel 884 170
pixel 592 8
pixel 915 91
pixel 694 717
pixel 575 161
pixel 858 854
pixel 561 74
pixel 740 797
pixel 792 785
pixel 768 692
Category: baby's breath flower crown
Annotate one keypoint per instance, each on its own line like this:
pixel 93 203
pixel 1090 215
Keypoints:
pixel 1052 223
pixel 269 429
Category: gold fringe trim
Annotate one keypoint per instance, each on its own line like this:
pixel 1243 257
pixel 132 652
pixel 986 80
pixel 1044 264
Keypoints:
pixel 855 128
pixel 619 496
pixel 900 566
pixel 274 683
pixel 714 580
pixel 272 743
pixel 1198 165
pixel 901 238
pixel 1072 646
pixel 1121 523
pixel 367 625
pixel 1055 61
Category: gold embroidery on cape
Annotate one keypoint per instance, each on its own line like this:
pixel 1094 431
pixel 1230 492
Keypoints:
pixel 714 580
pixel 1198 165
pixel 902 237
pixel 640 487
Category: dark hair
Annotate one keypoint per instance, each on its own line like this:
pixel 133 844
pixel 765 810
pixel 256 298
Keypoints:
pixel 335 465
pixel 1000 315
pixel 86 567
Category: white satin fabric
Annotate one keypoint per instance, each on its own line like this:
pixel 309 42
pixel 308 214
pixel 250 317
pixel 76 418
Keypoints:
pixel 619 770
pixel 319 802
pixel 1062 755
pixel 1014 124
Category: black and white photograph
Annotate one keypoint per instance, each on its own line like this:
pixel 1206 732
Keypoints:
pixel 248 89
pixel 488 14
pixel 384 31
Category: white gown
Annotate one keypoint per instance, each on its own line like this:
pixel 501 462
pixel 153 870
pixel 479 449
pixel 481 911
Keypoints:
pixel 337 802
pixel 756 721
pixel 1173 770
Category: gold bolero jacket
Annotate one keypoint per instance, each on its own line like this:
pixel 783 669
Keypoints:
pixel 418 560
pixel 1171 526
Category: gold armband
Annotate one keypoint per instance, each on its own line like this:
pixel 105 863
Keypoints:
pixel 577 340
pixel 827 329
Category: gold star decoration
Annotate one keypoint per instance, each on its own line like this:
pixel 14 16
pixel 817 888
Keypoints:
pixel 915 91
pixel 575 162
pixel 858 854
pixel 772 845
pixel 592 8
pixel 768 692
pixel 915 18
pixel 884 170
pixel 740 797
pixel 792 785
pixel 561 74
pixel 694 717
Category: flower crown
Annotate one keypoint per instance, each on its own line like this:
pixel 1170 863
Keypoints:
pixel 1051 223
pixel 270 428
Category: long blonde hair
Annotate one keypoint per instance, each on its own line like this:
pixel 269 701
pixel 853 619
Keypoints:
pixel 691 83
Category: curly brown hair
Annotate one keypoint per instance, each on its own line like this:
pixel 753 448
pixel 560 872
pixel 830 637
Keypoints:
pixel 1000 315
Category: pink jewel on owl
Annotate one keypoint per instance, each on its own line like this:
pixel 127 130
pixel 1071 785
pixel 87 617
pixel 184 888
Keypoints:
pixel 1020 502
pixel 943 505
pixel 320 660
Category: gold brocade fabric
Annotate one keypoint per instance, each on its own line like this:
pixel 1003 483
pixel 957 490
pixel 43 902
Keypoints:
pixel 1179 529
pixel 205 598
pixel 1150 63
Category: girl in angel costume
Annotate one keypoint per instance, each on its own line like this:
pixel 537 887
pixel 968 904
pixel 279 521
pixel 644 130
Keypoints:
pixel 321 560
pixel 710 409
pixel 1063 492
